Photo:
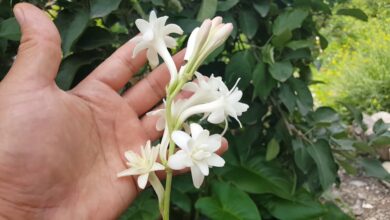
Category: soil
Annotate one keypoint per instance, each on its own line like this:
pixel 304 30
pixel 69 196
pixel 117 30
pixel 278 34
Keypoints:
pixel 363 197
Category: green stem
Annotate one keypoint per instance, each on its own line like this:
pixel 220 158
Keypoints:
pixel 137 7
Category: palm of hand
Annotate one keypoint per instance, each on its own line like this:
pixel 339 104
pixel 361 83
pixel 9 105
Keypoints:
pixel 70 144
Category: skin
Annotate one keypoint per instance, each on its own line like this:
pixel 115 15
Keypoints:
pixel 60 151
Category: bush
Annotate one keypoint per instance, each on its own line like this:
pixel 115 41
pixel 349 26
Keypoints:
pixel 285 156
pixel 356 66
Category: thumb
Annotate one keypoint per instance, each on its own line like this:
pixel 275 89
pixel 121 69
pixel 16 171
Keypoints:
pixel 39 53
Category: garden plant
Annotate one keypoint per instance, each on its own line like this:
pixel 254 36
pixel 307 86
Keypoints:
pixel 253 59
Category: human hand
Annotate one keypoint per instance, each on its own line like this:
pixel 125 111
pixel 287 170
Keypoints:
pixel 60 151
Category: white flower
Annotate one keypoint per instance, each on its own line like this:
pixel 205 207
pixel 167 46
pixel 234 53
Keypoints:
pixel 142 164
pixel 215 100
pixel 155 38
pixel 197 152
pixel 204 40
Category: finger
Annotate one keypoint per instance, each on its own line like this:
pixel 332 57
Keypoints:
pixel 149 91
pixel 39 53
pixel 149 121
pixel 117 70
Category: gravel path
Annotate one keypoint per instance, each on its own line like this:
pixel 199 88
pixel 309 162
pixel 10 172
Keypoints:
pixel 365 198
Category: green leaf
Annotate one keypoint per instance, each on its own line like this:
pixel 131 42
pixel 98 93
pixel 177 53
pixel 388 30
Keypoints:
pixel 259 177
pixel 95 37
pixel 287 97
pixel 10 30
pixel 281 71
pixel 301 157
pixel 145 207
pixel 374 168
pixel 101 8
pixel 71 65
pixel 302 206
pixel 381 127
pixel 240 66
pixel 3 46
pixel 262 81
pixel 381 141
pixel 304 99
pixel 267 53
pixel 228 203
pixel 280 40
pixel 334 212
pixel 207 10
pixel 273 149
pixel 248 23
pixel 326 166
pixel 71 25
pixel 226 5
pixel 262 7
pixel 289 20
pixel 353 12
pixel 325 116
pixel 181 200
pixel 299 44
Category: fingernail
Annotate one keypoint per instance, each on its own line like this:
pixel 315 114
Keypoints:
pixel 19 15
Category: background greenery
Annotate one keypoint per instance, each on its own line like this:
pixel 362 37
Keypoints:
pixel 356 66
pixel 288 153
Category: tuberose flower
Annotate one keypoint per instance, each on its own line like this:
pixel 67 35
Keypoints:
pixel 197 152
pixel 142 165
pixel 215 100
pixel 155 38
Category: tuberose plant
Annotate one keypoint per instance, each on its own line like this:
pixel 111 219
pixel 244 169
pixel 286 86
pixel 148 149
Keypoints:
pixel 210 98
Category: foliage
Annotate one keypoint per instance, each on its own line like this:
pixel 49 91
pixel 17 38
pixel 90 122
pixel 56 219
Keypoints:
pixel 286 154
pixel 356 66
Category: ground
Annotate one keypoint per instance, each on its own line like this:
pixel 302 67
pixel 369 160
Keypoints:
pixel 364 197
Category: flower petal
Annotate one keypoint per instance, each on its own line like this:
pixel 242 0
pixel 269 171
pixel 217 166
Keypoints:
pixel 139 47
pixel 142 25
pixel 181 139
pixel 157 166
pixel 128 172
pixel 197 176
pixel 152 56
pixel 131 156
pixel 216 117
pixel 179 160
pixel 142 180
pixel 170 42
pixel 215 161
pixel 152 16
pixel 196 130
pixel 191 44
pixel 173 28
pixel 203 167
pixel 214 142
pixel 190 86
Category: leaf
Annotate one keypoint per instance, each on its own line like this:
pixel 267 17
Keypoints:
pixel 71 25
pixel 181 200
pixel 267 53
pixel 281 71
pixel 301 157
pixel 226 5
pixel 228 203
pixel 262 81
pixel 299 44
pixel 326 166
pixel 353 12
pixel 262 7
pixel 289 20
pixel 287 97
pixel 374 168
pixel 71 65
pixel 9 29
pixel 207 10
pixel 304 99
pixel 145 207
pixel 381 141
pixel 101 8
pixel 248 23
pixel 334 212
pixel 381 127
pixel 95 37
pixel 280 40
pixel 240 66
pixel 325 115
pixel 259 177
pixel 273 149
pixel 302 206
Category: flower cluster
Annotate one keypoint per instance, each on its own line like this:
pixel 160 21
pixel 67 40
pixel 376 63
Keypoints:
pixel 210 98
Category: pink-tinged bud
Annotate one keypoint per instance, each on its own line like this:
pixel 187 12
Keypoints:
pixel 216 21
pixel 203 32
